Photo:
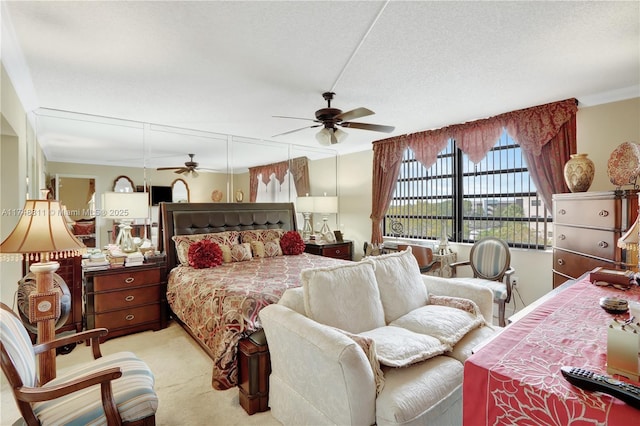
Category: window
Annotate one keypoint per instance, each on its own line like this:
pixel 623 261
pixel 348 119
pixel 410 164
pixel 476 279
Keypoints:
pixel 495 197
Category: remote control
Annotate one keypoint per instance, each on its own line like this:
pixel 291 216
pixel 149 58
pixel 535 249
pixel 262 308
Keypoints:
pixel 591 381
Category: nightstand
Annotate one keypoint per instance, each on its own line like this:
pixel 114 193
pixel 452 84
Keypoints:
pixel 126 300
pixel 343 250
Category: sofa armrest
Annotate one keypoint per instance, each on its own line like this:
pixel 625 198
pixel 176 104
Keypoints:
pixel 451 287
pixel 345 389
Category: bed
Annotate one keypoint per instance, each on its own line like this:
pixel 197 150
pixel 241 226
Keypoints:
pixel 219 306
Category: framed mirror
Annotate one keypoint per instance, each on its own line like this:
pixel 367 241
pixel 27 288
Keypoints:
pixel 179 191
pixel 123 184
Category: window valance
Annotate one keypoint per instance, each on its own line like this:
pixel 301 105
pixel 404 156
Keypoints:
pixel 298 167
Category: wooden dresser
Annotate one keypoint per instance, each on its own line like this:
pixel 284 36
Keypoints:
pixel 338 250
pixel 586 229
pixel 127 299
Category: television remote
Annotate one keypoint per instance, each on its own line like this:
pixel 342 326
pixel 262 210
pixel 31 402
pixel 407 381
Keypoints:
pixel 591 381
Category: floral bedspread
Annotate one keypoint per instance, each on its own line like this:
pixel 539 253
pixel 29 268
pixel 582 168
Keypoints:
pixel 220 305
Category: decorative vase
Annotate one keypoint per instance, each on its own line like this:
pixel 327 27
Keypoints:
pixel 579 172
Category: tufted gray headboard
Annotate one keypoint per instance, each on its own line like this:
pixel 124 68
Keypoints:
pixel 204 218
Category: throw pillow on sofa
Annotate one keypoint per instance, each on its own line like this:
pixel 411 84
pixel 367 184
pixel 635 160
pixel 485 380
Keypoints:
pixel 344 296
pixel 400 283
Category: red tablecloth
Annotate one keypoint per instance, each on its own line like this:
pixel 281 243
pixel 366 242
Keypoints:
pixel 516 379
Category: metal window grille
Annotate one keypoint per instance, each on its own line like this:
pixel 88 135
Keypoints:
pixel 468 201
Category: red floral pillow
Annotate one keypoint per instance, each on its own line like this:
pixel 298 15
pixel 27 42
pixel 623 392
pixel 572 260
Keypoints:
pixel 205 254
pixel 291 243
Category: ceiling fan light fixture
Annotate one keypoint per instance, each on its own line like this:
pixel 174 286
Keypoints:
pixel 324 136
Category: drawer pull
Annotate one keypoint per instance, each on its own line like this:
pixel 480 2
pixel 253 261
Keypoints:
pixel 562 211
pixel 603 213
pixel 129 280
pixel 338 251
pixel 129 317
pixel 603 244
pixel 560 262
pixel 129 298
pixel 562 237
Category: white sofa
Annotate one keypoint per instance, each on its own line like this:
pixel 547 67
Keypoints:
pixel 323 366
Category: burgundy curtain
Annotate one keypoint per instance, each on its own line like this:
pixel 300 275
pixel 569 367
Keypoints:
pixel 532 128
pixel 298 167
pixel 387 159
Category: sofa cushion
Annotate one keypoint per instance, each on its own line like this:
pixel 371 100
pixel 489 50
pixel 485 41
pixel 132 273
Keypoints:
pixel 418 395
pixel 399 347
pixel 472 340
pixel 400 283
pixel 344 296
pixel 445 323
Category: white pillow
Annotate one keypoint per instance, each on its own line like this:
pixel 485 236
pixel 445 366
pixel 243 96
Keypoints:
pixel 398 347
pixel 400 283
pixel 344 296
pixel 445 323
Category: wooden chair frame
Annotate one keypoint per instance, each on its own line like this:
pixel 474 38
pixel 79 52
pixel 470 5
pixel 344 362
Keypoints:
pixel 25 395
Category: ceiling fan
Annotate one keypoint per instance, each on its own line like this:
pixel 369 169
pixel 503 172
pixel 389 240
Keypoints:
pixel 329 118
pixel 189 167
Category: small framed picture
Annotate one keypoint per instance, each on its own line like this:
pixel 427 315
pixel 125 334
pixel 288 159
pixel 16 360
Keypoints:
pixel 338 236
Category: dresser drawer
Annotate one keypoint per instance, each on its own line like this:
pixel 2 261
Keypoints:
pixel 128 317
pixel 600 213
pixel 594 242
pixel 126 298
pixel 573 265
pixel 342 252
pixel 125 279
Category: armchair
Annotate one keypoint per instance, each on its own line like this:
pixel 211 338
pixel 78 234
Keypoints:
pixel 490 261
pixel 115 389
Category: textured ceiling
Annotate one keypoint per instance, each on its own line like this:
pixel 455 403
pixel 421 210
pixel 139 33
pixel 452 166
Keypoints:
pixel 229 67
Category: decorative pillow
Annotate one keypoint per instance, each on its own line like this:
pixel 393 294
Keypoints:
pixel 241 252
pixel 368 346
pixel 400 282
pixel 292 243
pixel 204 254
pixel 84 228
pixel 262 235
pixel 344 296
pixel 257 248
pixel 398 347
pixel 226 238
pixel 445 323
pixel 272 248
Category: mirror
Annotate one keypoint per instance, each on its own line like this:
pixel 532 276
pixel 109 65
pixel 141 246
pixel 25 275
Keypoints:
pixel 123 184
pixel 179 191
pixel 78 195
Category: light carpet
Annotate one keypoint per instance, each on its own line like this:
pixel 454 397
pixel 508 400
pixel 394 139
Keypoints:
pixel 183 380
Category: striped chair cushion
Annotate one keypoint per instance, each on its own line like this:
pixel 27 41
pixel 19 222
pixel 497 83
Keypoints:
pixel 489 258
pixel 133 393
pixel 18 345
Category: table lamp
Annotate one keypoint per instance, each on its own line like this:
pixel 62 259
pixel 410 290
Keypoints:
pixel 629 242
pixel 124 207
pixel 325 206
pixel 43 235
pixel 305 206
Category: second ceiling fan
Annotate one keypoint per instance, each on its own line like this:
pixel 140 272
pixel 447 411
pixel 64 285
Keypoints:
pixel 189 167
pixel 329 118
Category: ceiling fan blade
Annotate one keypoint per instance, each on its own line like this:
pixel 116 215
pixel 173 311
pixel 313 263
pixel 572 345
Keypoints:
pixel 297 130
pixel 354 113
pixel 168 168
pixel 182 170
pixel 294 118
pixel 367 126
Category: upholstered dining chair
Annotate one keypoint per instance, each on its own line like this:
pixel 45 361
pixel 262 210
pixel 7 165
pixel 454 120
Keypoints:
pixel 115 389
pixel 490 260
pixel 424 256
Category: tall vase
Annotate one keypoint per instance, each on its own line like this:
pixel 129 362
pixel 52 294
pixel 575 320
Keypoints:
pixel 579 172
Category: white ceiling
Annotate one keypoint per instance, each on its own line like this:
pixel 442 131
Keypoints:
pixel 229 67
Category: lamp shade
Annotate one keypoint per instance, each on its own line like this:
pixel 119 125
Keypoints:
pixel 125 205
pixel 324 136
pixel 42 232
pixel 325 205
pixel 630 237
pixel 304 204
